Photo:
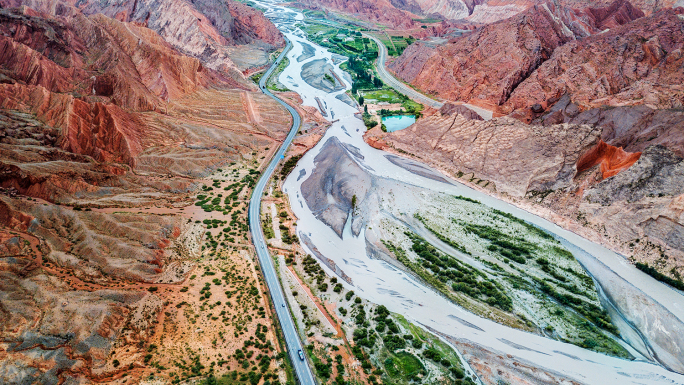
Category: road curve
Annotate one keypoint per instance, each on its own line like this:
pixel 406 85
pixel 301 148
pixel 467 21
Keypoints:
pixel 294 345
pixel 388 78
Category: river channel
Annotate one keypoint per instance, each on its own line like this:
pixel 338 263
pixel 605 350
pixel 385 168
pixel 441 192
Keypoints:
pixel 626 291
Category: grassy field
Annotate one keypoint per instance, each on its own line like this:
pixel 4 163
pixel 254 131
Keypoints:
pixel 342 41
pixel 395 44
pixel 314 14
pixel 427 20
pixel 385 95
pixel 408 106
pixel 403 364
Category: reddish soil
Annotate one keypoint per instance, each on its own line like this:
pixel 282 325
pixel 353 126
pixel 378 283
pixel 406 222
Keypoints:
pixel 611 159
pixel 107 131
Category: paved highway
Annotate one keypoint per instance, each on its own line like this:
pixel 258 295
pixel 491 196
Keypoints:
pixel 398 85
pixel 386 77
pixel 294 345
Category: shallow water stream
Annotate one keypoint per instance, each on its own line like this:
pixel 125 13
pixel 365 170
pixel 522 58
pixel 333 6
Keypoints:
pixel 638 301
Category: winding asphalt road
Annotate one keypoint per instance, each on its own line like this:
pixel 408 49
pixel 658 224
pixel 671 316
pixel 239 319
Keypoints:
pixel 388 78
pixel 294 345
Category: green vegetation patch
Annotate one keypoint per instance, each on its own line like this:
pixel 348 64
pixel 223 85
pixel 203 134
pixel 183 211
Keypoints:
pixel 342 41
pixel 273 83
pixel 509 266
pixel 401 350
pixel 289 165
pixel 404 365
pixel 384 95
pixel 428 20
pixel 461 277
pixel 677 284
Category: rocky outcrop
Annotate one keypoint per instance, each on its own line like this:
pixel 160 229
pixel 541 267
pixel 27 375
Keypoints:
pixel 614 15
pixel 449 109
pixel 90 77
pixel 98 119
pixel 658 172
pixel 103 131
pixel 374 11
pixel 647 6
pixel 60 55
pixel 448 9
pixel 205 29
pixel 51 332
pixel 611 160
pixel 638 211
pixel 488 64
pixel 492 11
pixel 251 25
pixel 632 127
pixel 637 63
pixel 394 13
pixel 508 154
pixel 86 88
pixel 609 13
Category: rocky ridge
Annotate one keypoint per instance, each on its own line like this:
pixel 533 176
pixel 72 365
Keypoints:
pixel 488 65
pixel 513 156
pixel 381 12
pixel 204 29
pixel 636 63
pixel 406 14
pixel 106 130
pixel 632 127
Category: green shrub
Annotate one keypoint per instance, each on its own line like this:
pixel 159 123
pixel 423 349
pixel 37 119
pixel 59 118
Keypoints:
pixel 677 284
pixel 457 372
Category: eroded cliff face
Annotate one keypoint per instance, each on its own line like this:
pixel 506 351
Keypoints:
pixel 206 30
pixel 636 63
pixel 381 12
pixel 633 128
pixel 398 13
pixel 610 159
pixel 101 121
pixel 577 175
pixel 513 156
pixel 88 77
pixel 489 64
pixel 98 58
pixel 617 13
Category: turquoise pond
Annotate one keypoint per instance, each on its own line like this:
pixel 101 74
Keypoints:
pixel 398 122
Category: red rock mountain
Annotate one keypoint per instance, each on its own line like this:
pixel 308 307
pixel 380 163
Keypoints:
pixel 400 14
pixel 633 128
pixel 208 29
pixel 374 11
pixel 636 63
pixel 108 115
pixel 610 159
pixel 485 66
pixel 85 75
